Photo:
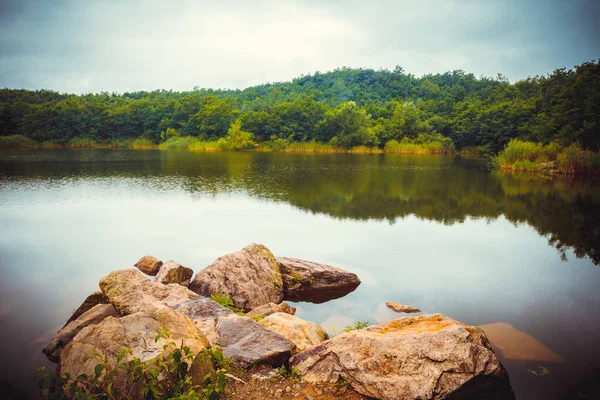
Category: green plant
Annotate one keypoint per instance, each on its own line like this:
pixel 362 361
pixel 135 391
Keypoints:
pixel 357 325
pixel 164 377
pixel 343 383
pixel 292 373
pixel 226 301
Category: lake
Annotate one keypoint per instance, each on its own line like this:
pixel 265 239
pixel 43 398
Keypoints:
pixel 514 252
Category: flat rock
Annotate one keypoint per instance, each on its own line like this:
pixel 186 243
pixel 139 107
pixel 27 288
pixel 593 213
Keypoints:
pixel 423 357
pixel 149 265
pixel 303 334
pixel 250 277
pixel 272 308
pixel 136 332
pixel 131 292
pixel 313 282
pixel 517 345
pixel 90 301
pixel 171 272
pixel 401 308
pixel 241 338
pixel 93 316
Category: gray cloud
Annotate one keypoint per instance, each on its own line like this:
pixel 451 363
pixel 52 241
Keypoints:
pixel 74 46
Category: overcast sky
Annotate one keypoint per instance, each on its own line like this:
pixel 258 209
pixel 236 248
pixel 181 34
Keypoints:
pixel 93 46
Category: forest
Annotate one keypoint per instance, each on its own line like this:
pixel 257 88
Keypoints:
pixel 345 108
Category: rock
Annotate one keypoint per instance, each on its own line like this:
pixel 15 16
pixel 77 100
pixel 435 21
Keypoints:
pixel 93 299
pixel 313 282
pixel 149 265
pixel 424 357
pixel 518 345
pixel 271 308
pixel 137 332
pixel 401 308
pixel 303 334
pixel 130 292
pixel 250 277
pixel 241 338
pixel 171 272
pixel 93 316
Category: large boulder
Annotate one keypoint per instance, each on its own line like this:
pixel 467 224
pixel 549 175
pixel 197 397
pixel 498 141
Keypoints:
pixel 303 334
pixel 93 316
pixel 313 282
pixel 171 272
pixel 130 292
pixel 424 357
pixel 93 299
pixel 250 277
pixel 241 338
pixel 272 308
pixel 136 332
pixel 149 265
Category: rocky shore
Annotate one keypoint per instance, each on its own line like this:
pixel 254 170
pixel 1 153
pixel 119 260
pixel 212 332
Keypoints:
pixel 427 356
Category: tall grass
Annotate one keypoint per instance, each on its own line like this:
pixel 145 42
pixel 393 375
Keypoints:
pixel 312 147
pixel 17 141
pixel 142 144
pixel 82 143
pixel 188 143
pixel 520 155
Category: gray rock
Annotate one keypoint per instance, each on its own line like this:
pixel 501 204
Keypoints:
pixel 93 316
pixel 130 292
pixel 313 282
pixel 171 272
pixel 272 308
pixel 149 265
pixel 250 277
pixel 424 357
pixel 241 338
pixel 93 299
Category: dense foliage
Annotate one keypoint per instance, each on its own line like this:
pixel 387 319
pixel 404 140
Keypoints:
pixel 344 108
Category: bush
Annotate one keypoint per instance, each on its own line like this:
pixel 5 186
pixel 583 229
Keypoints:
pixel 16 141
pixel 237 139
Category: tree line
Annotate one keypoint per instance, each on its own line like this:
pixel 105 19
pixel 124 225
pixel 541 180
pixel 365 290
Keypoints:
pixel 346 107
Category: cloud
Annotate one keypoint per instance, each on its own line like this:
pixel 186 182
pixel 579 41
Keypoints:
pixel 73 46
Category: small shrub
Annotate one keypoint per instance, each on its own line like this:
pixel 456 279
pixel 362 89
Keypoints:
pixel 357 326
pixel 292 373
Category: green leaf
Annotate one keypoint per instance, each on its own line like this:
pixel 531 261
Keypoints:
pixel 98 370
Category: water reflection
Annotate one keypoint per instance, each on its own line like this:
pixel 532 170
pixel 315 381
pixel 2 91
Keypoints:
pixel 359 187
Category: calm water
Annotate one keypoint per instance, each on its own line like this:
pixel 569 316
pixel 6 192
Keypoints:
pixel 439 233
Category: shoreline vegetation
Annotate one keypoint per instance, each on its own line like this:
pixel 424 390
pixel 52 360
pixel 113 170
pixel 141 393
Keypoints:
pixel 548 123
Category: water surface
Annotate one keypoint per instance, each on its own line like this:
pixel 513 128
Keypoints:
pixel 439 233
